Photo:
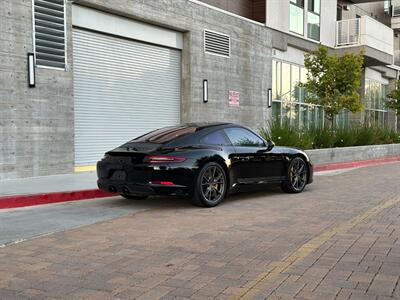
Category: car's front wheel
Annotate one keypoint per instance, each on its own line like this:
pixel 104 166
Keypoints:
pixel 296 177
pixel 210 186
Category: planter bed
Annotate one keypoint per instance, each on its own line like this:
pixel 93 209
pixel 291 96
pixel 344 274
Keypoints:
pixel 348 154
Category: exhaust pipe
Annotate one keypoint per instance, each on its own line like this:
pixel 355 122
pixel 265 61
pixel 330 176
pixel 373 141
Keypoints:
pixel 125 190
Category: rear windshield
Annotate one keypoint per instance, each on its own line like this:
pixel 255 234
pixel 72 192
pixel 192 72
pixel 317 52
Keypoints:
pixel 165 135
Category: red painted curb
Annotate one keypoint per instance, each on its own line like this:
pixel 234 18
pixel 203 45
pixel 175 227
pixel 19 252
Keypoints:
pixel 38 199
pixel 354 164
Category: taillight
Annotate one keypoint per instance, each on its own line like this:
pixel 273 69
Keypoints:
pixel 158 159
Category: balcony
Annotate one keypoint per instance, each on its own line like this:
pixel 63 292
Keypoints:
pixel 369 35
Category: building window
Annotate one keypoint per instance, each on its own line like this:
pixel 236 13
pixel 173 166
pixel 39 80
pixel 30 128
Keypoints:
pixel 395 8
pixel 386 6
pixel 288 104
pixel 49 37
pixel 375 96
pixel 314 6
pixel 313 19
pixel 297 16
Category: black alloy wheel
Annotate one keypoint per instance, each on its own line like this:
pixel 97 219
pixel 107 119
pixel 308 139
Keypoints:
pixel 211 185
pixel 296 177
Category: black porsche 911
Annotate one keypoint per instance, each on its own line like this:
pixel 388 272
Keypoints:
pixel 205 161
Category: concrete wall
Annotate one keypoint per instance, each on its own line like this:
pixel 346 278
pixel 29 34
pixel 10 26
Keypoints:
pixel 347 154
pixel 36 124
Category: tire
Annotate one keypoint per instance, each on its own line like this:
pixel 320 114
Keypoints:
pixel 206 193
pixel 296 177
pixel 134 197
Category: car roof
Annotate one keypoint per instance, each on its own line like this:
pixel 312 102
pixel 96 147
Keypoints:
pixel 209 125
pixel 205 124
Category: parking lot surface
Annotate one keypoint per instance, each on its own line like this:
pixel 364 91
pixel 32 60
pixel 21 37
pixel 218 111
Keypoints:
pixel 339 239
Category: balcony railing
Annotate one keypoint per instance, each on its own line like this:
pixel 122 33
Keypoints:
pixel 348 32
pixel 364 31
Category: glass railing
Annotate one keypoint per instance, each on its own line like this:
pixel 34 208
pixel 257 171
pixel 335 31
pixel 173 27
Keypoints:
pixel 348 32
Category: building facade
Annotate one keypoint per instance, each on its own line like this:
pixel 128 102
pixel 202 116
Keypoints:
pixel 80 77
pixel 355 26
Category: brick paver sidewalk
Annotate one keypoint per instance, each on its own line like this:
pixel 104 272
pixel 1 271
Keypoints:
pixel 335 240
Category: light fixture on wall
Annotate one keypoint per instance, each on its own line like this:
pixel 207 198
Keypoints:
pixel 205 90
pixel 31 70
pixel 269 97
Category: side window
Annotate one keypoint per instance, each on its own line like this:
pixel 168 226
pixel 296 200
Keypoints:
pixel 241 137
pixel 215 138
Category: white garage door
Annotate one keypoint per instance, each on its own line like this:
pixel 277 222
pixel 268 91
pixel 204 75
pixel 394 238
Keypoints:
pixel 122 89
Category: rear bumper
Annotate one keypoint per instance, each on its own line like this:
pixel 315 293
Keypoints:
pixel 124 178
pixel 139 189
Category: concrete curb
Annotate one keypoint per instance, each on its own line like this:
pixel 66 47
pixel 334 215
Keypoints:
pixel 354 164
pixel 39 199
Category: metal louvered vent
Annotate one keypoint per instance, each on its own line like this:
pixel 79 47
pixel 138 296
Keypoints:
pixel 49 24
pixel 217 43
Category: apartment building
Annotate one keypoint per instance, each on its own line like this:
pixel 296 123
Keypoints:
pixel 79 77
pixel 343 26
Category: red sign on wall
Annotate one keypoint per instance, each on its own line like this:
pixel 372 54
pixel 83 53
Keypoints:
pixel 234 98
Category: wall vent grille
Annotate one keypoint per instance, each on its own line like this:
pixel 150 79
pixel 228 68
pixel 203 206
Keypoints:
pixel 49 33
pixel 217 43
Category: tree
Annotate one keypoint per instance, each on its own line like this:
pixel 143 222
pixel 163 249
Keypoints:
pixel 393 101
pixel 333 82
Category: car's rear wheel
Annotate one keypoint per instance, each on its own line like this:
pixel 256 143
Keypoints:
pixel 210 186
pixel 296 178
pixel 134 197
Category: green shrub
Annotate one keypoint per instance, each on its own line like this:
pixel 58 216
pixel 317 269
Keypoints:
pixel 282 135
pixel 365 136
pixel 382 136
pixel 305 140
pixel 386 136
pixel 394 136
pixel 323 137
pixel 345 137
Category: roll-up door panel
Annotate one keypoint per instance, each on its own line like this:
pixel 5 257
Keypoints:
pixel 122 89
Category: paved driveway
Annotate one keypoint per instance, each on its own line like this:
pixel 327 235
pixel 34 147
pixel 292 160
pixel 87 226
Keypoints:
pixel 339 239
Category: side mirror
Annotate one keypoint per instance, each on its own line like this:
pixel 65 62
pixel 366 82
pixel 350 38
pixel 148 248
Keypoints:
pixel 270 145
